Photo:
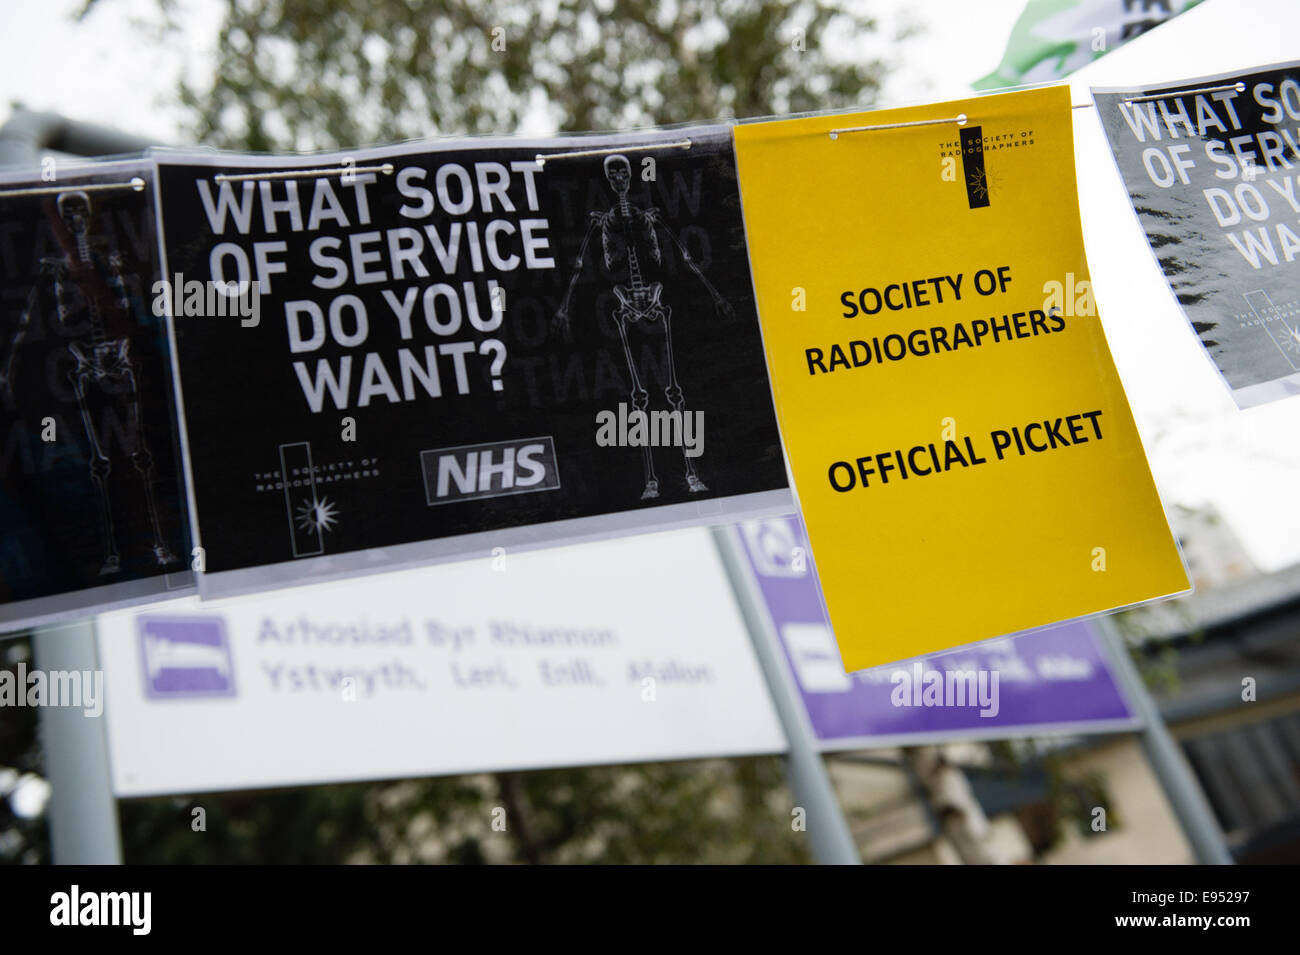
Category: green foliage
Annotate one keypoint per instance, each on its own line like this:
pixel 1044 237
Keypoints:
pixel 1070 793
pixel 357 822
pixel 323 74
pixel 719 811
pixel 1152 651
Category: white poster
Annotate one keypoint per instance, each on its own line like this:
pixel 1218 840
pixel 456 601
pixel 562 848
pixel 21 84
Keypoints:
pixel 622 651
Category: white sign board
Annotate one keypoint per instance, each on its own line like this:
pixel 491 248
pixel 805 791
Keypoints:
pixel 622 651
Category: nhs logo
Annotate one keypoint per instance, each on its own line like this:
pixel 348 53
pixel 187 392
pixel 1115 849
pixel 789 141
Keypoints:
pixel 496 469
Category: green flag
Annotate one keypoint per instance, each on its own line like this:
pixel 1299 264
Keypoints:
pixel 1053 38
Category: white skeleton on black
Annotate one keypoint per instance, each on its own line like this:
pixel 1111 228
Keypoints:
pixel 629 239
pixel 77 279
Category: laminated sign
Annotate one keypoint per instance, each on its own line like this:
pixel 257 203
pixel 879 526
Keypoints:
pixel 441 349
pixel 1211 168
pixel 963 451
pixel 92 502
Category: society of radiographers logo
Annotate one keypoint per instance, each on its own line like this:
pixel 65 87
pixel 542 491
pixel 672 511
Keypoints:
pixel 311 488
pixel 311 512
pixel 973 145
pixel 1281 322
pixel 316 514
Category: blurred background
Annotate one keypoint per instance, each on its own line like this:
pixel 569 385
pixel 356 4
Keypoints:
pixel 285 75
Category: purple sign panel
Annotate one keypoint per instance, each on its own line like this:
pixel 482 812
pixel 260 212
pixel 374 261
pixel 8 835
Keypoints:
pixel 1055 679
pixel 185 657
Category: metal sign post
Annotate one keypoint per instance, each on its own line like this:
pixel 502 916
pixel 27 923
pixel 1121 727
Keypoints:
pixel 828 832
pixel 1167 761
pixel 82 811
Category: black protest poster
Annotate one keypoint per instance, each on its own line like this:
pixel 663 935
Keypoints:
pixel 1211 166
pixel 92 501
pixel 442 349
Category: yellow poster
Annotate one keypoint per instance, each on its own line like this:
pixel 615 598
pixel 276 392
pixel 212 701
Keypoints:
pixel 963 451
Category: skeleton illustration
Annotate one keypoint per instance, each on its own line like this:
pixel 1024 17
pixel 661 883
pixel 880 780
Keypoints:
pixel 633 254
pixel 77 278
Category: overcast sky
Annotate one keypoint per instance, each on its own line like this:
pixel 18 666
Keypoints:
pixel 1201 448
